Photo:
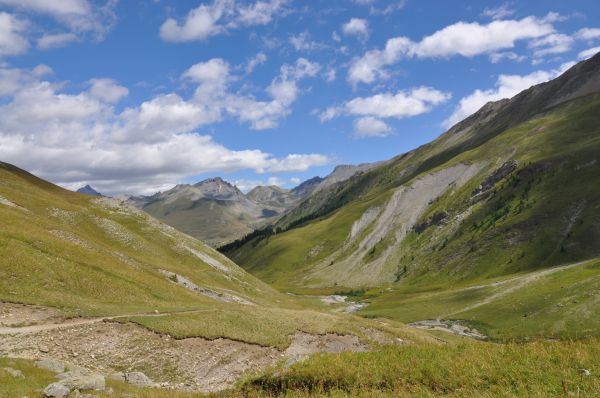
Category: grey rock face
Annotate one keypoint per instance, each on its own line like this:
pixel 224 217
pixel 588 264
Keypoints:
pixel 56 390
pixel 51 365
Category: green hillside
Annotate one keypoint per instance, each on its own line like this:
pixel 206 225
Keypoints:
pixel 511 190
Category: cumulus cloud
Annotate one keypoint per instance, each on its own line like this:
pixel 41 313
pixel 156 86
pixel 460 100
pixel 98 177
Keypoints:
pixel 210 19
pixel 370 127
pixel 356 27
pixel 76 138
pixel 461 38
pixel 404 103
pixel 80 16
pixel 255 61
pixel 590 52
pixel 506 86
pixel 107 90
pixel 49 41
pixel 588 33
pixel 303 42
pixel 12 38
pixel 555 43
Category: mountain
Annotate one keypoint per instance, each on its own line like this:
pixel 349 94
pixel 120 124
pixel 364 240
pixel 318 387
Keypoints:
pixel 512 189
pixel 88 190
pixel 94 283
pixel 218 213
pixel 214 210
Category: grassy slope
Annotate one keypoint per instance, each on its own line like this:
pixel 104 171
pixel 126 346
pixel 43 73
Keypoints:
pixel 557 155
pixel 85 270
pixel 468 369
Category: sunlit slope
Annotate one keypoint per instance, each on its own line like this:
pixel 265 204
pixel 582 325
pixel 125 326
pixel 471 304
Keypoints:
pixel 511 189
pixel 101 256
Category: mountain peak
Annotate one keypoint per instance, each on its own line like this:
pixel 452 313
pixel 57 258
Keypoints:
pixel 88 190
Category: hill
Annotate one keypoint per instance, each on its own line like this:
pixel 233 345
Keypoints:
pixel 511 190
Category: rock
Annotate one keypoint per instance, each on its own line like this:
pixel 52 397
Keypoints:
pixel 51 365
pixel 138 379
pixel 44 349
pixel 85 382
pixel 585 372
pixel 56 390
pixel 13 372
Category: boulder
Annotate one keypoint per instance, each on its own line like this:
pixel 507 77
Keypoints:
pixel 92 381
pixel 138 379
pixel 56 390
pixel 51 365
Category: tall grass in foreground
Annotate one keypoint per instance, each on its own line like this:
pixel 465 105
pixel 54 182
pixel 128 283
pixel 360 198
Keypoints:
pixel 537 369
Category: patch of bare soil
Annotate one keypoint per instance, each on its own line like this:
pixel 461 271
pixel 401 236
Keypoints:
pixel 106 347
pixel 194 364
pixel 15 315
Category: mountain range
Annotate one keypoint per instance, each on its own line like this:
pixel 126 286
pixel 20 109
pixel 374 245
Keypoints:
pixel 218 213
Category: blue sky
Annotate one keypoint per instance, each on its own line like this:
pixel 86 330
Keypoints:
pixel 137 96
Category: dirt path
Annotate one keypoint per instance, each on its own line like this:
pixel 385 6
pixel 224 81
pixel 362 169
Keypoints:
pixel 520 282
pixel 84 321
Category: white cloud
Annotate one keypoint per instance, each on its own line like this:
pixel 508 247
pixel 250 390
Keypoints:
pixel 371 65
pixel 107 90
pixel 245 185
pixel 507 86
pixel 210 19
pixel 12 39
pixel 77 138
pixel 589 53
pixel 499 12
pixel 257 60
pixel 49 41
pixel 556 43
pixel 330 74
pixel 588 34
pixel 510 55
pixel 259 13
pixel 356 27
pixel 303 42
pixel 370 127
pixel 213 73
pixel 56 8
pixel 80 16
pixel 403 104
pixel 461 38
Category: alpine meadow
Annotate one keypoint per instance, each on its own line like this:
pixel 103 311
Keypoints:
pixel 284 198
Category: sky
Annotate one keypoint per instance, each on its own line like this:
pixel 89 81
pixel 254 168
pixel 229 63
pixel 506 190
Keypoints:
pixel 134 97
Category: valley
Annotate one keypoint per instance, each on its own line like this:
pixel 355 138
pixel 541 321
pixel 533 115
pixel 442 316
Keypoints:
pixel 458 256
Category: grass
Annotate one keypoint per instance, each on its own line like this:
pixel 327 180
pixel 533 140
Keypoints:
pixel 62 250
pixel 558 305
pixel 269 326
pixel 465 369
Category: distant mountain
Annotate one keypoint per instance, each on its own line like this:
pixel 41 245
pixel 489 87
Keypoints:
pixel 307 187
pixel 218 213
pixel 88 190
